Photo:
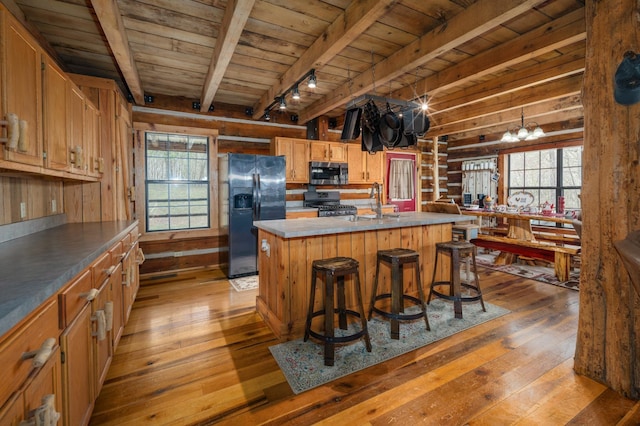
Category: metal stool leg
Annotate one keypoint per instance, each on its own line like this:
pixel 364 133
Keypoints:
pixel 433 277
pixel 312 298
pixel 475 273
pixel 396 297
pixel 329 345
pixel 421 295
pixel 375 289
pixel 363 321
pixel 342 309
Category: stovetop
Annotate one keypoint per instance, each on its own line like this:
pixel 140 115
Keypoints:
pixel 328 204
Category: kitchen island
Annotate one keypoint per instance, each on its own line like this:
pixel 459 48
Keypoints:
pixel 288 247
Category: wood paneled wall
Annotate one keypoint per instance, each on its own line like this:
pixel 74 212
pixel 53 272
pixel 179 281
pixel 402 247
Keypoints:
pixel 38 195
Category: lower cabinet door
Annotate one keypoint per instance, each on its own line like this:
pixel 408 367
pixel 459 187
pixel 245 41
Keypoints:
pixel 77 369
pixel 45 384
pixel 12 413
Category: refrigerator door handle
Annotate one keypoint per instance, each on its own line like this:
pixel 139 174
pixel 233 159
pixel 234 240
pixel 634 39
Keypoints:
pixel 256 196
pixel 259 186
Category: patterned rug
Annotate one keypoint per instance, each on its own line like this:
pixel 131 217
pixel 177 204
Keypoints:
pixel 538 272
pixel 245 283
pixel 303 362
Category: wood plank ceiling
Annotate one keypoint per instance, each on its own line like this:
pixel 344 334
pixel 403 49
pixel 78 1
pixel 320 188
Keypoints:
pixel 479 63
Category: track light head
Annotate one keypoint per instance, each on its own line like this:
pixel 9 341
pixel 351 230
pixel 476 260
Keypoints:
pixel 295 93
pixel 313 81
pixel 283 104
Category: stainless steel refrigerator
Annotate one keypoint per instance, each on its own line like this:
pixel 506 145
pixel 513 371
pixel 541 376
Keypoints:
pixel 256 192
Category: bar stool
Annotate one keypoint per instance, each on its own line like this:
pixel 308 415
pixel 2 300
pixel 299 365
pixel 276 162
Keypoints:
pixel 334 270
pixel 456 250
pixel 397 258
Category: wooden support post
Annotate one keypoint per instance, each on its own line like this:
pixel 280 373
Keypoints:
pixel 608 342
pixel 436 171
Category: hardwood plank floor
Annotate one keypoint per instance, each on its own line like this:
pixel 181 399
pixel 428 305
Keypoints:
pixel 195 352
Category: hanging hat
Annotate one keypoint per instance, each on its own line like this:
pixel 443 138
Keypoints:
pixel 627 80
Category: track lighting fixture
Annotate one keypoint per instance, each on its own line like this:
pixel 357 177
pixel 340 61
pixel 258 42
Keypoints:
pixel 295 93
pixel 283 104
pixel 312 80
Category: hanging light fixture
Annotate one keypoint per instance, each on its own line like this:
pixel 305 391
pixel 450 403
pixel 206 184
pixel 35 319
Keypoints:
pixel 295 93
pixel 312 80
pixel 283 104
pixel 531 131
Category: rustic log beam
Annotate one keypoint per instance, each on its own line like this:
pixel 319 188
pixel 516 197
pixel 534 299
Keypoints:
pixel 110 20
pixel 608 341
pixel 235 18
pixel 347 27
pixel 472 22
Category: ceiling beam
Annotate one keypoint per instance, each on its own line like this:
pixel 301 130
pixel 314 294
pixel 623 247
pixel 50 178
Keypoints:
pixel 560 33
pixel 112 25
pixel 538 73
pixel 542 112
pixel 233 22
pixel 474 21
pixel 355 20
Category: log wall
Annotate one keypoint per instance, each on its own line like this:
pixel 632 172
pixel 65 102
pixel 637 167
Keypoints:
pixel 608 343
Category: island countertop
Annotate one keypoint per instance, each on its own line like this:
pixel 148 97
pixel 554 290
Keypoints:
pixel 293 228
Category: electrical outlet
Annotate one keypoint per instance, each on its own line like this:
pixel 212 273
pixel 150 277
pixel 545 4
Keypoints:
pixel 54 206
pixel 177 253
pixel 23 210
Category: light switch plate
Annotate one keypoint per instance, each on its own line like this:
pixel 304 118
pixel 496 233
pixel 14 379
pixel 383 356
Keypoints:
pixel 23 210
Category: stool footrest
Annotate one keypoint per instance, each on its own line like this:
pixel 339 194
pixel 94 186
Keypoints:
pixel 449 297
pixel 337 339
pixel 400 316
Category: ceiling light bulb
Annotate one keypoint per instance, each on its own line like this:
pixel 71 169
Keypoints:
pixel 506 137
pixel 312 81
pixel 295 93
pixel 283 104
pixel 538 132
pixel 522 133
pixel 424 106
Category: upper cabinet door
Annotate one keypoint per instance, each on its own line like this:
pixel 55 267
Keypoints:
pixel 56 141
pixel 21 87
pixel 75 120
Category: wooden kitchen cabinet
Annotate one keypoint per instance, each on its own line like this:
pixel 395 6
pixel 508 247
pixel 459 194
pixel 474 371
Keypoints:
pixel 21 87
pixel 130 278
pixel 76 344
pixel 364 167
pixel 12 413
pixel 296 152
pixel 55 90
pixel 75 121
pixel 102 313
pixel 328 151
pixel 95 161
pixel 46 382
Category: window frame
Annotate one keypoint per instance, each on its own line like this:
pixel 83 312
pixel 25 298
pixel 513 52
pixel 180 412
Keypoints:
pixel 140 130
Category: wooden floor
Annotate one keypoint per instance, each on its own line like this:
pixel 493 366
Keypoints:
pixel 196 352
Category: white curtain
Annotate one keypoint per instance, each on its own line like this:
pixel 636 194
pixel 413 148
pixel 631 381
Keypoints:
pixel 401 179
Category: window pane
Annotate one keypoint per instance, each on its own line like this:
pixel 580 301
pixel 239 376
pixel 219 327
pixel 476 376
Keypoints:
pixel 532 178
pixel 572 176
pixel 548 177
pixel 517 161
pixel 177 181
pixel 532 160
pixel 517 178
pixel 548 158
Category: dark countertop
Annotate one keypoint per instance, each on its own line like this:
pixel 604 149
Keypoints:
pixel 36 266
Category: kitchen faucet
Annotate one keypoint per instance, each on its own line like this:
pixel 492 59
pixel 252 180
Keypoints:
pixel 377 187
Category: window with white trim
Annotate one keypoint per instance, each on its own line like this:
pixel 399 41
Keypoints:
pixel 177 181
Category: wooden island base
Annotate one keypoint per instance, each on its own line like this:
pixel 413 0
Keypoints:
pixel 285 268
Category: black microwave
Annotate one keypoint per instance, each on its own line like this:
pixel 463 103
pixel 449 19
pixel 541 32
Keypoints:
pixel 323 173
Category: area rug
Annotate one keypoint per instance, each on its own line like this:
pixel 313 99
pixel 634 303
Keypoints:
pixel 245 283
pixel 303 362
pixel 537 272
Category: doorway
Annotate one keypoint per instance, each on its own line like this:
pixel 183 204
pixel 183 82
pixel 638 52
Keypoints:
pixel 401 180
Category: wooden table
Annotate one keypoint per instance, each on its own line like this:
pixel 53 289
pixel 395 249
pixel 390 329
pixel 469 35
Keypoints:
pixel 519 223
pixel 520 241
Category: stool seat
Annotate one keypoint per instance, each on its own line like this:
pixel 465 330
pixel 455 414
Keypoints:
pixel 397 258
pixel 338 268
pixel 456 250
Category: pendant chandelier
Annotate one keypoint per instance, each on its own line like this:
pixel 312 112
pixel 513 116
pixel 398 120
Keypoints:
pixel 531 131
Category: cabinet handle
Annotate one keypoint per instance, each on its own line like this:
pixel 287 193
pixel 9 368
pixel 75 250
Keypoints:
pixel 140 257
pixel 24 134
pixel 111 270
pixel 13 131
pixel 45 414
pixel 108 315
pixel 101 324
pixel 41 355
pixel 99 165
pixel 90 295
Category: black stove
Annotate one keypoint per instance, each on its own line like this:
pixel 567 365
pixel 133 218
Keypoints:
pixel 328 204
